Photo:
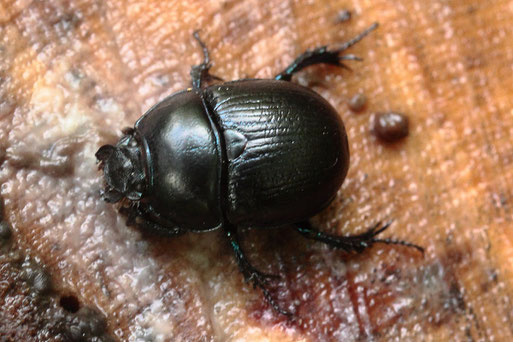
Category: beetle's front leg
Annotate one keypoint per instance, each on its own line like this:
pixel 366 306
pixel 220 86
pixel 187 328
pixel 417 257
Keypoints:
pixel 250 273
pixel 141 216
pixel 353 243
pixel 322 55
pixel 200 73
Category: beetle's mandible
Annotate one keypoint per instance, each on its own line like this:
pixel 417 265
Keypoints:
pixel 251 152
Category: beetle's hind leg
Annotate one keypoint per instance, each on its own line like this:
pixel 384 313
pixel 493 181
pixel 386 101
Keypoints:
pixel 250 273
pixel 322 55
pixel 200 73
pixel 353 243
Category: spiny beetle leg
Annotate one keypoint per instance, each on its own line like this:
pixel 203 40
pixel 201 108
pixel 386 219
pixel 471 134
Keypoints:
pixel 141 217
pixel 200 73
pixel 250 273
pixel 322 55
pixel 352 243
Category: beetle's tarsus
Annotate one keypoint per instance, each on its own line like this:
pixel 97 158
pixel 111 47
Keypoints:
pixel 400 242
pixel 274 305
pixel 251 274
pixel 353 243
pixel 322 55
pixel 348 44
pixel 200 73
pixel 260 280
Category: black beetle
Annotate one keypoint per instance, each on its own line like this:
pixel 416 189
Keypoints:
pixel 251 152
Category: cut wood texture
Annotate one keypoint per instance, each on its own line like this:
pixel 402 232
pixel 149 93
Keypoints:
pixel 74 73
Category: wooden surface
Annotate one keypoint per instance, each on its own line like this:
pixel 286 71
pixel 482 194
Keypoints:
pixel 73 73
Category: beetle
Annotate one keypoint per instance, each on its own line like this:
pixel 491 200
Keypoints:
pixel 245 153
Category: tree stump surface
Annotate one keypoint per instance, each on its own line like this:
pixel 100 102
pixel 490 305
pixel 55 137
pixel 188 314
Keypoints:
pixel 74 73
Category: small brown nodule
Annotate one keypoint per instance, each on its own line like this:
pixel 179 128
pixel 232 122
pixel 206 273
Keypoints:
pixel 391 126
pixel 358 102
pixel 343 16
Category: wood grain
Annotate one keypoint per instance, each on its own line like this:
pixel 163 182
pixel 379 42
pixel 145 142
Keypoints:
pixel 73 73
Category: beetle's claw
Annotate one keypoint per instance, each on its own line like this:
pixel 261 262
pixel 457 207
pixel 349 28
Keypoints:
pixel 370 237
pixel 376 229
pixel 255 276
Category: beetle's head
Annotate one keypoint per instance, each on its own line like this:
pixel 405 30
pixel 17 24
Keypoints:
pixel 123 170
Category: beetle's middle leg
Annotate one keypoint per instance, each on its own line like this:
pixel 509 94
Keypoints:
pixel 352 243
pixel 322 55
pixel 251 274
pixel 200 73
